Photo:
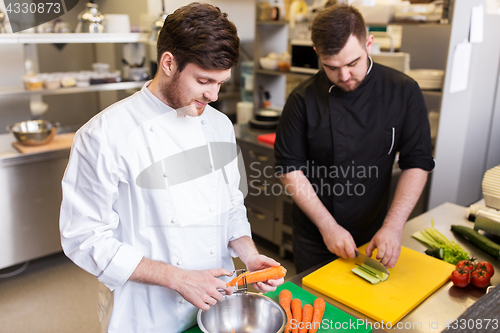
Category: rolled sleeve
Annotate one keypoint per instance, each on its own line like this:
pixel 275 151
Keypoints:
pixel 236 230
pixel 120 267
pixel 416 144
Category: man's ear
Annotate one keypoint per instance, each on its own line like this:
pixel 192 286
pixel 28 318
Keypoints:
pixel 168 63
pixel 369 44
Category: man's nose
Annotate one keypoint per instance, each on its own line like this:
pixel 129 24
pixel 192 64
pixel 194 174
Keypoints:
pixel 345 74
pixel 212 92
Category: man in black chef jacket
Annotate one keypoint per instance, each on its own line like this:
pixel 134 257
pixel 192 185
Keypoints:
pixel 337 141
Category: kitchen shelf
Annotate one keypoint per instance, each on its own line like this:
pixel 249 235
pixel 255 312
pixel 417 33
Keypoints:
pixel 65 38
pixel 72 90
pixel 438 93
pixel 271 22
pixel 271 72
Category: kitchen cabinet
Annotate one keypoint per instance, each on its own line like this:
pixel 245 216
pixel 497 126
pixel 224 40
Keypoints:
pixel 259 168
pixel 30 197
pixel 269 208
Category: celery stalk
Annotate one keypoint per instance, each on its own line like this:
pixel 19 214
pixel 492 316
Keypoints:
pixel 433 239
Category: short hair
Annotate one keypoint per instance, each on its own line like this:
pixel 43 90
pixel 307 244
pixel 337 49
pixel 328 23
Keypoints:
pixel 200 34
pixel 332 27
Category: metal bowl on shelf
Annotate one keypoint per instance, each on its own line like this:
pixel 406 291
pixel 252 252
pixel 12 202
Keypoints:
pixel 243 312
pixel 34 132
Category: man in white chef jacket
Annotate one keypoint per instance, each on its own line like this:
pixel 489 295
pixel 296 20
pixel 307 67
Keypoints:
pixel 151 203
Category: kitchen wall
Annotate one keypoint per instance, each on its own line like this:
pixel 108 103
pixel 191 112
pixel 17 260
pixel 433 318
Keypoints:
pixel 468 135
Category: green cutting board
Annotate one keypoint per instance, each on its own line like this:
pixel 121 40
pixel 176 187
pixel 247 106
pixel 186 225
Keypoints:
pixel 334 320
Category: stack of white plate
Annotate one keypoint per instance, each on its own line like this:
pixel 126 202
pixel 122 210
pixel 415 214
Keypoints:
pixel 491 188
pixel 427 79
pixel 396 60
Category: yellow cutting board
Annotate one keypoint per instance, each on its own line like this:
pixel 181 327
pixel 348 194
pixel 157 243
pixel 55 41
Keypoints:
pixel 414 278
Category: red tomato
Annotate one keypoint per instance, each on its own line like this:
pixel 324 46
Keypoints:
pixel 468 265
pixel 480 279
pixel 486 266
pixel 460 278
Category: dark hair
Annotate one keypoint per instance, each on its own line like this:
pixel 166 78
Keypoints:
pixel 332 28
pixel 200 34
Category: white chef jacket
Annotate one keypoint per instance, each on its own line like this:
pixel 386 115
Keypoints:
pixel 109 223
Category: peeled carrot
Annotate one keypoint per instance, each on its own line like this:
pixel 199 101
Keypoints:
pixel 318 312
pixel 236 279
pixel 266 274
pixel 296 306
pixel 285 298
pixel 307 314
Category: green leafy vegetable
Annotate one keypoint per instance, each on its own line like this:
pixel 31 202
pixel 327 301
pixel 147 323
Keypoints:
pixel 433 239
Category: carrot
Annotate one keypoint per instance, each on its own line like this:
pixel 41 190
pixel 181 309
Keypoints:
pixel 285 298
pixel 318 311
pixel 270 273
pixel 307 314
pixel 236 279
pixel 296 306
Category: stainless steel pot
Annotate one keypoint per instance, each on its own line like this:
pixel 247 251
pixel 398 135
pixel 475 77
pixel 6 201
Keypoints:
pixel 90 20
pixel 34 132
pixel 243 312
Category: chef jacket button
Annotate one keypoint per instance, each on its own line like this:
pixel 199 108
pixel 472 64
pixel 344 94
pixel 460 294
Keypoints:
pixel 203 122
pixel 152 129
pixel 212 209
pixel 179 262
pixel 182 301
pixel 212 251
pixel 174 220
pixel 164 175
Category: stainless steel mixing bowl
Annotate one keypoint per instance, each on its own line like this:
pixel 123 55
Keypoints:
pixel 34 132
pixel 243 312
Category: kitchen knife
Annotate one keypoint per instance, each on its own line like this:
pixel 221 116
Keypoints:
pixel 363 259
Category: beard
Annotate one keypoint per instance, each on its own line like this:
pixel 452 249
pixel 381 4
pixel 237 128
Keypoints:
pixel 351 87
pixel 177 99
pixel 357 81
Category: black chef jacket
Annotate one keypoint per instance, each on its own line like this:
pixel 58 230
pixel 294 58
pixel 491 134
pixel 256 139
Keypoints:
pixel 346 143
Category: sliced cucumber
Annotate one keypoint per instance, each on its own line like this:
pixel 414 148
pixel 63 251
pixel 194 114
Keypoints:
pixel 368 276
pixel 436 253
pixel 374 276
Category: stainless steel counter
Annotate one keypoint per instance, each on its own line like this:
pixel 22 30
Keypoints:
pixel 30 197
pixel 448 302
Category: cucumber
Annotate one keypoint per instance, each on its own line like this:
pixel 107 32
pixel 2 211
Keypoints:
pixel 371 275
pixel 368 276
pixel 436 253
pixel 483 242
